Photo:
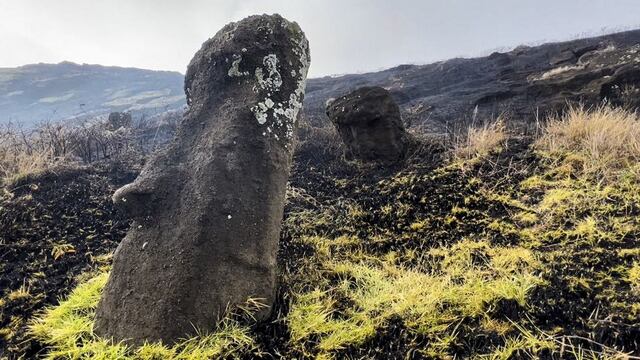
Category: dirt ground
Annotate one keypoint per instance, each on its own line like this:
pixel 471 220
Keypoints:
pixel 57 226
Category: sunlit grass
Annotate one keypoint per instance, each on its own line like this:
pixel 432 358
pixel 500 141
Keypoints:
pixel 583 213
pixel 464 281
pixel 600 141
pixel 68 331
pixel 18 163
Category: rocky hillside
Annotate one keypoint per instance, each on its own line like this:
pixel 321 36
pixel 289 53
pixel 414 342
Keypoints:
pixel 522 82
pixel 33 93
pixel 501 245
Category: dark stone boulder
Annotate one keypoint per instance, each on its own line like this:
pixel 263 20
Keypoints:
pixel 207 210
pixel 369 123
pixel 117 120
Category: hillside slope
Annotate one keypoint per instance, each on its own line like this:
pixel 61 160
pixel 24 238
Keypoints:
pixel 34 93
pixel 521 82
pixel 526 248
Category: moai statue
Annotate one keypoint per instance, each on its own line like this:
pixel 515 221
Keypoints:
pixel 207 210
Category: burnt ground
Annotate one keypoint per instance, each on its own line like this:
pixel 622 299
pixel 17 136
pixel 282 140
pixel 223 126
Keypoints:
pixel 415 190
pixel 420 190
pixel 74 207
pixel 68 210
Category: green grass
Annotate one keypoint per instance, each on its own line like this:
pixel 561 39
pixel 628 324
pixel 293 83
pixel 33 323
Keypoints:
pixel 67 330
pixel 458 287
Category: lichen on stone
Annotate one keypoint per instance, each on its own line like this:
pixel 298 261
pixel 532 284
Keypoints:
pixel 234 71
pixel 273 80
pixel 269 79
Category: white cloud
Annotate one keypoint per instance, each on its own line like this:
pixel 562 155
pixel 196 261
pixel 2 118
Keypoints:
pixel 345 35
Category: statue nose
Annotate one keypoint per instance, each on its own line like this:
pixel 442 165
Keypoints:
pixel 149 194
pixel 135 199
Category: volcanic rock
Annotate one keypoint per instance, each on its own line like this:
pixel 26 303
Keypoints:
pixel 207 210
pixel 118 120
pixel 369 123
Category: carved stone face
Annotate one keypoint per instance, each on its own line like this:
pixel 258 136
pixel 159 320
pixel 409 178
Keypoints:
pixel 207 209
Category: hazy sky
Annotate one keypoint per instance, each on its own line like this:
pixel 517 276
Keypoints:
pixel 345 35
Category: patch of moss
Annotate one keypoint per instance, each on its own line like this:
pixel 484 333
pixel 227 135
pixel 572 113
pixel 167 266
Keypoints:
pixel 68 331
pixel 362 294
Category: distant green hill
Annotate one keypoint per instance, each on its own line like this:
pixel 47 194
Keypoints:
pixel 33 93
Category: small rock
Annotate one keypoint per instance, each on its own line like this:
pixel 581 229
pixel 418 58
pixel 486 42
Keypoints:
pixel 369 123
pixel 118 120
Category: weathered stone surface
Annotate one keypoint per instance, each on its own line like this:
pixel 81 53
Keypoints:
pixel 208 209
pixel 369 123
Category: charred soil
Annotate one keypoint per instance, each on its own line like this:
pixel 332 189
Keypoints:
pixel 426 259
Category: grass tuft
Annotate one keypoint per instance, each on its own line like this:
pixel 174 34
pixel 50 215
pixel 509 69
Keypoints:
pixel 480 142
pixel 599 141
pixel 17 164
pixel 633 276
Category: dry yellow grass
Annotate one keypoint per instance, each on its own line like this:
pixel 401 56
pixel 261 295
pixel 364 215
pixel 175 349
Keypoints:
pixel 15 164
pixel 481 141
pixel 603 139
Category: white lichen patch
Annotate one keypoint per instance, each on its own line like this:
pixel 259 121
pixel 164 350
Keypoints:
pixel 273 79
pixel 271 83
pixel 261 117
pixel 269 103
pixel 234 71
pixel 283 114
